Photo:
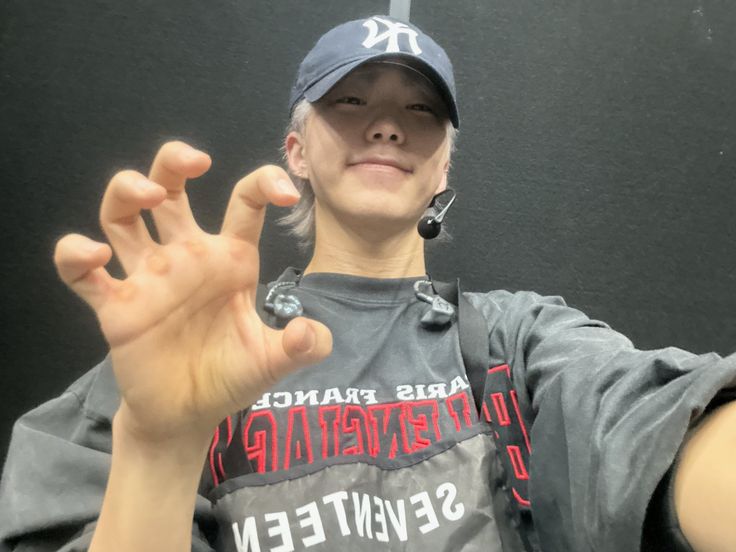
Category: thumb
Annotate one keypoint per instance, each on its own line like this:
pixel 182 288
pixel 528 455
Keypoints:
pixel 304 342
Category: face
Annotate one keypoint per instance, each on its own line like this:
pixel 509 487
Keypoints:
pixel 375 149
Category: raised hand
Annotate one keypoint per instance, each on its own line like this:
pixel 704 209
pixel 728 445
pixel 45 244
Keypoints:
pixel 187 345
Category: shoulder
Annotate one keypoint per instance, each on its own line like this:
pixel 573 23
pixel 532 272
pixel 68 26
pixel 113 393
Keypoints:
pixel 531 317
pixel 502 302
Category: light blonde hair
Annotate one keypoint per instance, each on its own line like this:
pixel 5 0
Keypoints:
pixel 300 219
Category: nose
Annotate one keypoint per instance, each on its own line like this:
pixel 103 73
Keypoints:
pixel 385 129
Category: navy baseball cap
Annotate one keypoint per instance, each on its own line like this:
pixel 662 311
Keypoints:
pixel 377 38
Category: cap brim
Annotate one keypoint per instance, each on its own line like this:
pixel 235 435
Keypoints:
pixel 325 84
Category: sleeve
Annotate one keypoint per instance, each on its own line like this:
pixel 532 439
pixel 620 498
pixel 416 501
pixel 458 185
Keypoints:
pixel 56 470
pixel 608 420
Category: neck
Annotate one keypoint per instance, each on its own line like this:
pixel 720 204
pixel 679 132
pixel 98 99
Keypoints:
pixel 341 249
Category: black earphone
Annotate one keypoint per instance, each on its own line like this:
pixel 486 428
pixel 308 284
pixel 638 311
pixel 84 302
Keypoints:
pixel 429 227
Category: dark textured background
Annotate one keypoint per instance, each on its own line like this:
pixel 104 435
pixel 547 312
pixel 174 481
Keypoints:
pixel 597 154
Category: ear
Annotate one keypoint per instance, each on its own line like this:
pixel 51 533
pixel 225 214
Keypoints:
pixel 443 183
pixel 295 151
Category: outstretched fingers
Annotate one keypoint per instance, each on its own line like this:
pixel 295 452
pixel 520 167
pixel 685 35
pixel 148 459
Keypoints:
pixel 80 263
pixel 128 193
pixel 174 163
pixel 247 207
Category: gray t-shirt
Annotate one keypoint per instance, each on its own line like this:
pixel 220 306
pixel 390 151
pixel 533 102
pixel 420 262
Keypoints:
pixel 381 446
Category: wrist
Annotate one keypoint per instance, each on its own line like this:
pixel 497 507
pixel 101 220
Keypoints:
pixel 152 485
pixel 183 451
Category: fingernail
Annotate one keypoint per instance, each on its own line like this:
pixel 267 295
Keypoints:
pixel 286 187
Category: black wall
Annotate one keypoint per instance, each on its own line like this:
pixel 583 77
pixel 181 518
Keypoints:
pixel 597 154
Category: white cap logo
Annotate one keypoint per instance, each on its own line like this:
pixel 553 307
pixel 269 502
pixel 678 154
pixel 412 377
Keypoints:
pixel 390 35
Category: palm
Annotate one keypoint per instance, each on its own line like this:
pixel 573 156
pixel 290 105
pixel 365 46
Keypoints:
pixel 187 337
pixel 187 345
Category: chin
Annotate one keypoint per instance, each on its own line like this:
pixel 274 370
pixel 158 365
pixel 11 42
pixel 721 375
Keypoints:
pixel 391 209
pixel 389 182
pixel 377 218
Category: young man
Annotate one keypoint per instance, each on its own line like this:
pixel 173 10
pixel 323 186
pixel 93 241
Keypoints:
pixel 356 427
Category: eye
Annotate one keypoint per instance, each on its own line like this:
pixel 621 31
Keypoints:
pixel 421 107
pixel 351 100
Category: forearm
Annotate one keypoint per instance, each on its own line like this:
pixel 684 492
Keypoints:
pixel 150 496
pixel 705 483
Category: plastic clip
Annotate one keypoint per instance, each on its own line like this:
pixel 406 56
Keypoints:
pixel 440 312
